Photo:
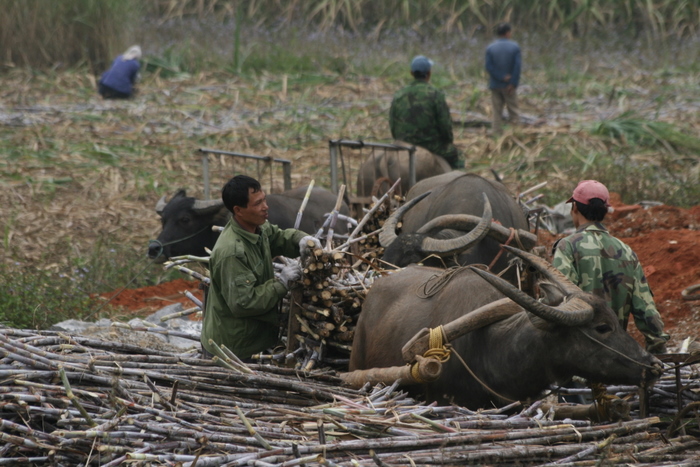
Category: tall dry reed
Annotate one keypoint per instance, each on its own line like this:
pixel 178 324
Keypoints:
pixel 47 34
pixel 657 19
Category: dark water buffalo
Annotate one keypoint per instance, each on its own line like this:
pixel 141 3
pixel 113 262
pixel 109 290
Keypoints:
pixel 187 222
pixel 378 173
pixel 517 357
pixel 449 208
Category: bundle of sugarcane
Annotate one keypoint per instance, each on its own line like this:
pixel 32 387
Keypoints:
pixel 324 310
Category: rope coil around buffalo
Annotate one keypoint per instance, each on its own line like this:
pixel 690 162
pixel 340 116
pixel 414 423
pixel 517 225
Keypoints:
pixel 437 282
pixel 439 350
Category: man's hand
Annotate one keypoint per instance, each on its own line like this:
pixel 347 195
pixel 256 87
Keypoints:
pixel 308 244
pixel 510 89
pixel 506 78
pixel 289 274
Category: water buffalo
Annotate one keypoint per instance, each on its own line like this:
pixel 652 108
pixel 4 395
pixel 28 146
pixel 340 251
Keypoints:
pixel 378 173
pixel 516 358
pixel 187 222
pixel 444 213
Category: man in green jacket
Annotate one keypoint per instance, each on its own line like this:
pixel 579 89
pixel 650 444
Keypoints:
pixel 419 115
pixel 242 309
pixel 607 267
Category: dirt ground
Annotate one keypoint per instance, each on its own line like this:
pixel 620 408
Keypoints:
pixel 666 239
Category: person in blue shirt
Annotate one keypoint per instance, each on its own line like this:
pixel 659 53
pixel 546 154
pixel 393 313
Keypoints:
pixel 118 82
pixel 503 63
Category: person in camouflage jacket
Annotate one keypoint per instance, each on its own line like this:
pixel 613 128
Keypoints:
pixel 420 115
pixel 603 265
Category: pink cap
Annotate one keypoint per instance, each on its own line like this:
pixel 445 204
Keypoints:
pixel 589 189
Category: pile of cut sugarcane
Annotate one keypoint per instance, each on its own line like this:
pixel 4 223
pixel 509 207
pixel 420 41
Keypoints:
pixel 72 400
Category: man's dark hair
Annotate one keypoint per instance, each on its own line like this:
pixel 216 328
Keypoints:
pixel 502 29
pixel 420 74
pixel 236 190
pixel 594 211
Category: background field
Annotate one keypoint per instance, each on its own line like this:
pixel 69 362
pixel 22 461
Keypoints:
pixel 614 90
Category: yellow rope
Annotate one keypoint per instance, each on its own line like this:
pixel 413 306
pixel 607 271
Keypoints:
pixel 438 350
pixel 415 374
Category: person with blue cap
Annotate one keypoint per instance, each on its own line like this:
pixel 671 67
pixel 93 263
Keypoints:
pixel 420 115
pixel 118 82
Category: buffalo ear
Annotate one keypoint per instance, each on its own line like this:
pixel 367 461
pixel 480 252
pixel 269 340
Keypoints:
pixel 221 217
pixel 550 294
pixel 160 205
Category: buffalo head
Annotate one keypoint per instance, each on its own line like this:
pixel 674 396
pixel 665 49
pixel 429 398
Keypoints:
pixel 443 239
pixel 187 226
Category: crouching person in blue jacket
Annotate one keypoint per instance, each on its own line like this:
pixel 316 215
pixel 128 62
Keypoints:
pixel 118 82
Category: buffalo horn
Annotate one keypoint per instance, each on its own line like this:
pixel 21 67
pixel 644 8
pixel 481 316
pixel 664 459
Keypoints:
pixel 573 312
pixel 202 206
pixel 468 222
pixel 547 270
pixel 160 205
pixel 457 245
pixel 388 232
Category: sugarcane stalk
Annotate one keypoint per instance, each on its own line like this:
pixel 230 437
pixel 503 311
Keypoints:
pixel 371 212
pixel 334 218
pixel 194 299
pixel 229 358
pixel 76 403
pixel 194 274
pixel 252 430
pixel 182 313
pixel 184 259
pixel 297 222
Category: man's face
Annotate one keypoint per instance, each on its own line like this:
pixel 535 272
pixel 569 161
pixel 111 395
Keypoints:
pixel 255 214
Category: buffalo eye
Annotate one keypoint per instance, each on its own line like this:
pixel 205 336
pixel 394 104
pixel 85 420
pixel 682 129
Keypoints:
pixel 603 328
pixel 185 220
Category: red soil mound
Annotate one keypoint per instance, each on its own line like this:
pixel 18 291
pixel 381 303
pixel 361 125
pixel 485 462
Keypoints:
pixel 150 299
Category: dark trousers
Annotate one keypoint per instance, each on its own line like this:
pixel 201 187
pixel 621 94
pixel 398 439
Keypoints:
pixel 109 93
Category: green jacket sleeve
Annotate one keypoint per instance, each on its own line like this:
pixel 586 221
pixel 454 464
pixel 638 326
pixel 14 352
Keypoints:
pixel 646 316
pixel 284 242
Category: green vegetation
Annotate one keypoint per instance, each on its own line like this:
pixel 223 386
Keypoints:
pixel 631 130
pixel 34 299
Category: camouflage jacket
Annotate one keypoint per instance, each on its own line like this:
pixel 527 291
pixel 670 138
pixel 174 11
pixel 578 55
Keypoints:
pixel 420 115
pixel 605 266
